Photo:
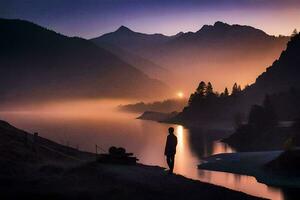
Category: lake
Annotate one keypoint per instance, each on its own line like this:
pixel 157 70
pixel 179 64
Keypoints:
pixel 85 123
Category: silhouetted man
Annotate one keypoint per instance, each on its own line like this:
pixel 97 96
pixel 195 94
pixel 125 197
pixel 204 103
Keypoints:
pixel 170 149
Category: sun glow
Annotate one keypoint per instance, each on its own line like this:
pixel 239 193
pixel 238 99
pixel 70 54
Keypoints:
pixel 180 94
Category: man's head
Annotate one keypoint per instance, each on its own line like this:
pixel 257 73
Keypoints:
pixel 171 130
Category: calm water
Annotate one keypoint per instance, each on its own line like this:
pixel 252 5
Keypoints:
pixel 83 124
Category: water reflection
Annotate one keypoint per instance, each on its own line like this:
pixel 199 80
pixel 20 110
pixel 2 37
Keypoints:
pixel 86 123
pixel 190 152
pixel 219 147
pixel 246 184
pixel 185 160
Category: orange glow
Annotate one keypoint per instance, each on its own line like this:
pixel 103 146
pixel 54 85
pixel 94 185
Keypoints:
pixel 180 94
pixel 184 155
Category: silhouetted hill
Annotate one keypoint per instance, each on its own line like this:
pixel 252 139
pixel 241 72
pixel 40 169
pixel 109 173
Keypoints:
pixel 221 53
pixel 281 77
pixel 281 80
pixel 283 74
pixel 36 62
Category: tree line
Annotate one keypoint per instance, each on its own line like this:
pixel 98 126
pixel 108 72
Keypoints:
pixel 206 91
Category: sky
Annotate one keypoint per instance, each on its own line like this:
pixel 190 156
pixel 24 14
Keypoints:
pixel 92 18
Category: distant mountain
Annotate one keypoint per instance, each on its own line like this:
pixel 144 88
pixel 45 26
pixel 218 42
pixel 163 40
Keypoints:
pixel 281 81
pixel 222 33
pixel 148 67
pixel 132 41
pixel 221 53
pixel 131 46
pixel 36 62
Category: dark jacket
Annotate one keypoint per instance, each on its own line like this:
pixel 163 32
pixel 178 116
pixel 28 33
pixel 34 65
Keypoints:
pixel 171 144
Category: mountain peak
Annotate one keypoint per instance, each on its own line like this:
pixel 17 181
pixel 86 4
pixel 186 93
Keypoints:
pixel 123 29
pixel 220 24
pixel 179 34
pixel 217 25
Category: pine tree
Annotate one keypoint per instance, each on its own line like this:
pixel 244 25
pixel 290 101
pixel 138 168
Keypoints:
pixel 235 89
pixel 209 89
pixel 239 88
pixel 295 32
pixel 226 93
pixel 191 99
pixel 201 90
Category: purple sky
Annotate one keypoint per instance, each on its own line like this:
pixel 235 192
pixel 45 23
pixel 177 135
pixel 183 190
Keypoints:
pixel 91 18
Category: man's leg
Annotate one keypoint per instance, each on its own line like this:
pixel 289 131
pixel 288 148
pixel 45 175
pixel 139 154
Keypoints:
pixel 172 162
pixel 169 161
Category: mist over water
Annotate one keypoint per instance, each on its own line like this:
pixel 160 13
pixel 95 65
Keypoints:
pixel 84 123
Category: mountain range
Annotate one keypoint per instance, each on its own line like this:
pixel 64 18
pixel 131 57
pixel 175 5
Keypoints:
pixel 221 53
pixel 37 62
pixel 125 63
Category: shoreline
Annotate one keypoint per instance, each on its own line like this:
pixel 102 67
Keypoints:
pixel 250 164
pixel 161 117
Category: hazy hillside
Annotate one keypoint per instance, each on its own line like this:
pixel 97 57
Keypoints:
pixel 36 62
pixel 148 67
pixel 220 53
pixel 282 79
pixel 282 74
pixel 132 46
